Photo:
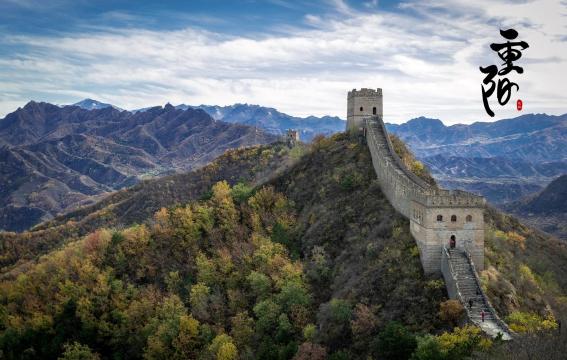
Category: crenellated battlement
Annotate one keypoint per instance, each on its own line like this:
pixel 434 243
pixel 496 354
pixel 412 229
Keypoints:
pixel 449 198
pixel 364 92
pixel 361 104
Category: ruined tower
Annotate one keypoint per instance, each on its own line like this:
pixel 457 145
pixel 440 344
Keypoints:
pixel 292 137
pixel 361 104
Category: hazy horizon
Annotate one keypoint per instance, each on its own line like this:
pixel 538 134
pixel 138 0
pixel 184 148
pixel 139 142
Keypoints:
pixel 342 118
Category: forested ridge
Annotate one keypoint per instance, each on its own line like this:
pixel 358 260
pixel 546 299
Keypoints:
pixel 136 204
pixel 311 262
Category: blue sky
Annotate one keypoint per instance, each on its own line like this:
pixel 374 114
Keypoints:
pixel 300 57
pixel 236 17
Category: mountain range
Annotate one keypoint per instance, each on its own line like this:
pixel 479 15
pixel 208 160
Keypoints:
pixel 53 159
pixel 274 121
pixel 263 117
pixel 503 160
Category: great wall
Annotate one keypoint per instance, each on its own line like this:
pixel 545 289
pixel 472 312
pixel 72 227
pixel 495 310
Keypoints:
pixel 448 226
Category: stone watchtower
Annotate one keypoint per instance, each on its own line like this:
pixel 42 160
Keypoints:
pixel 292 137
pixel 362 104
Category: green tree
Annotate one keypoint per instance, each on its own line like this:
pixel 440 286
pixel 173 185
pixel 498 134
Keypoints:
pixel 428 348
pixel 395 342
pixel 223 348
pixel 242 329
pixel 309 332
pixel 187 342
pixel 293 293
pixel 525 322
pixel 461 342
pixel 226 214
pixel 77 351
pixel 260 284
pixel 207 273
pixel 241 192
pixel 199 300
pixel 334 320
pixel 227 351
pixel 165 329
pixel 267 313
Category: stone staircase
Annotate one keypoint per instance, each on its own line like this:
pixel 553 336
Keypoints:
pixel 467 286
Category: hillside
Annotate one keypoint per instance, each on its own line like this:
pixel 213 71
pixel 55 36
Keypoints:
pixel 55 159
pixel 302 254
pixel 138 203
pixel 546 210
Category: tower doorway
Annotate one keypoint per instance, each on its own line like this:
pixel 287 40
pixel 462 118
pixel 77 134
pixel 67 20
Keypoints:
pixel 453 242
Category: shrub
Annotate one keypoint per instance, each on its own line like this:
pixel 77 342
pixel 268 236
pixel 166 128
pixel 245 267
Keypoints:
pixel 309 332
pixel 451 311
pixel 461 342
pixel 364 321
pixel 77 351
pixel 524 322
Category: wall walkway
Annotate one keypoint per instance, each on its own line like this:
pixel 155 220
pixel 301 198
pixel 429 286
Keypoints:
pixel 404 189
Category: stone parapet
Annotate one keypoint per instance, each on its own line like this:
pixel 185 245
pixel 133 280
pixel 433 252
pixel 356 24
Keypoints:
pixel 449 198
pixel 364 92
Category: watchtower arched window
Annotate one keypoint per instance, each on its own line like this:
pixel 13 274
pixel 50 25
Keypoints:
pixel 453 218
pixel 361 108
pixel 439 217
pixel 374 110
pixel 469 218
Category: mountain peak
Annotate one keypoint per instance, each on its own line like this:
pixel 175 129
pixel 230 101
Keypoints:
pixel 90 104
pixel 423 121
pixel 31 104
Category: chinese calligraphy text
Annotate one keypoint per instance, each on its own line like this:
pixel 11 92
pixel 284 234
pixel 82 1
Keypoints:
pixel 508 52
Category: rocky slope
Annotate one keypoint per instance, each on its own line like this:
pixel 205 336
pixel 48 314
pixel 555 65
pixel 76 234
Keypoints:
pixel 546 210
pixel 53 159
pixel 274 121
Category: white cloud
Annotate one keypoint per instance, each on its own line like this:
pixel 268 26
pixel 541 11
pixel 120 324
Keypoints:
pixel 426 59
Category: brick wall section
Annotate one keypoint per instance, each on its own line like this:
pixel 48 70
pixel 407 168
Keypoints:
pixel 461 212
